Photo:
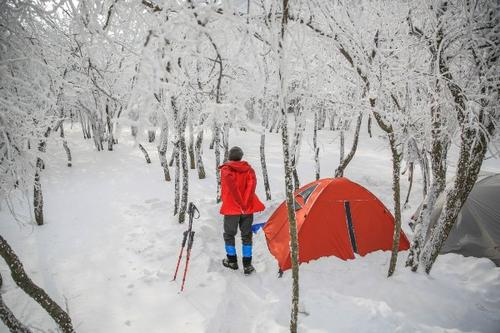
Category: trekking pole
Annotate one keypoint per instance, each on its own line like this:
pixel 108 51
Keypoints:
pixel 188 236
pixel 188 255
pixel 180 254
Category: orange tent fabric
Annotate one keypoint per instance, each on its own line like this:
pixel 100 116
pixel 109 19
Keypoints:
pixel 335 217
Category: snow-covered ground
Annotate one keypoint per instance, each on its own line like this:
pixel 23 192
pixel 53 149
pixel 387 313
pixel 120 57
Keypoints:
pixel 110 244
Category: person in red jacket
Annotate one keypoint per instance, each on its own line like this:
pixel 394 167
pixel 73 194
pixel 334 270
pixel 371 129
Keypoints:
pixel 239 203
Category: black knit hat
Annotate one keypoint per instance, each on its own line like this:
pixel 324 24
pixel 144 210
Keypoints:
pixel 235 154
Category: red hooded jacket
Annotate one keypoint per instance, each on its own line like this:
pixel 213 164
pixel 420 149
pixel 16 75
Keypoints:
pixel 238 184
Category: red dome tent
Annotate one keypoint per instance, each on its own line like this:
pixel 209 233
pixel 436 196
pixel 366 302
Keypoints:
pixel 335 217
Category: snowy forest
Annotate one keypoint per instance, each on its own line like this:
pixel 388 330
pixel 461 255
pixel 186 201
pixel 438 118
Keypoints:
pixel 116 117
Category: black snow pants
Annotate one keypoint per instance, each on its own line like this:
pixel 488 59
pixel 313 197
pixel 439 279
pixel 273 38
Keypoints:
pixel 231 223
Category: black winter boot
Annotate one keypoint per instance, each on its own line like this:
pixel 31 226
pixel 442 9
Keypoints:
pixel 230 262
pixel 247 266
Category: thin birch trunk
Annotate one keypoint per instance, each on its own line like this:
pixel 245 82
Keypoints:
pixel 396 170
pixel 37 186
pixel 111 140
pixel 172 156
pixel 177 179
pixel 199 154
pixel 217 162
pixel 225 141
pixel 264 123
pixel 65 145
pixel 162 150
pixel 146 155
pixel 212 140
pixel 37 193
pixel 134 130
pixel 82 124
pixel 263 164
pixel 410 179
pixel 369 125
pixel 315 147
pixel 396 190
pixel 342 146
pixel 294 247
pixel 424 167
pixel 36 293
pixel 151 136
pixel 332 121
pixel 192 164
pixel 345 162
pixel 68 152
pixel 297 141
pixel 8 318
pixel 185 172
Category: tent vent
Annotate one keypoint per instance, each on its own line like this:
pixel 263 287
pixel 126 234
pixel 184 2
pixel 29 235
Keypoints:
pixel 307 192
pixel 296 205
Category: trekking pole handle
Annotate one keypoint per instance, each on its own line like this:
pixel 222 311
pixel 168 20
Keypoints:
pixel 192 209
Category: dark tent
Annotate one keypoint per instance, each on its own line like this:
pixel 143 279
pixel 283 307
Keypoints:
pixel 477 229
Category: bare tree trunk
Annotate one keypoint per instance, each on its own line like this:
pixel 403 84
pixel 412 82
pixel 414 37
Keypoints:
pixel 322 116
pixel 410 179
pixel 424 167
pixel 82 124
pixel 162 150
pixel 177 179
pixel 185 173
pixel 297 141
pixel 111 140
pixel 396 170
pixel 172 156
pixel 217 161
pixel 315 147
pixel 8 318
pixel 68 152
pixel 295 174
pixel 332 121
pixel 396 190
pixel 212 141
pixel 472 151
pixel 370 125
pixel 265 114
pixel 342 146
pixel 199 154
pixel 439 152
pixel 134 130
pixel 37 186
pixel 151 135
pixel 263 164
pixel 39 295
pixel 146 155
pixel 340 170
pixel 97 131
pixel 294 245
pixel 185 169
pixel 89 128
pixel 225 141
pixel 65 145
pixel 192 164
